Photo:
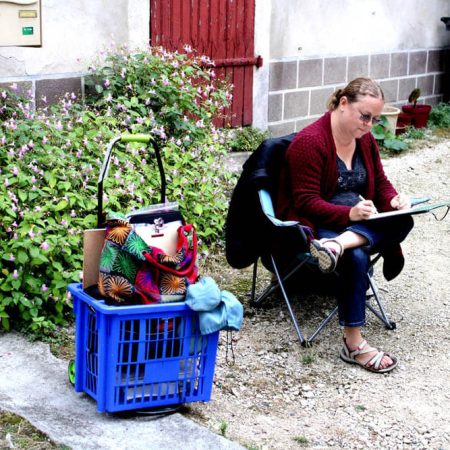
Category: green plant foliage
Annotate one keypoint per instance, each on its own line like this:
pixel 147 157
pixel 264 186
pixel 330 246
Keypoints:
pixel 50 161
pixel 414 96
pixel 175 97
pixel 301 440
pixel 247 139
pixel 386 139
pixel 47 199
pixel 440 116
pixel 414 133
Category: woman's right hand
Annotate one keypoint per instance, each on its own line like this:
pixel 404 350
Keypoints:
pixel 362 210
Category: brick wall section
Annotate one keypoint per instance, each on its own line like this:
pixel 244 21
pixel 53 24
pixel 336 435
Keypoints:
pixel 52 89
pixel 299 90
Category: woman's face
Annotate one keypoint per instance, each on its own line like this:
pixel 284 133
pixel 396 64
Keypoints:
pixel 359 117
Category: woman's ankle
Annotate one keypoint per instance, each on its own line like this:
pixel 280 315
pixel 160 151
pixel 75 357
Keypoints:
pixel 352 337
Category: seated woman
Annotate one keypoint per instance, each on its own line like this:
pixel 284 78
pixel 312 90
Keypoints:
pixel 333 181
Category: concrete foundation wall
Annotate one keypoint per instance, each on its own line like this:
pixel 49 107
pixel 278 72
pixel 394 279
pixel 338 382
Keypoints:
pixel 299 89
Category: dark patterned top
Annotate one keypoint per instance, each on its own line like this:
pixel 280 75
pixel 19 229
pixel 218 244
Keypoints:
pixel 351 182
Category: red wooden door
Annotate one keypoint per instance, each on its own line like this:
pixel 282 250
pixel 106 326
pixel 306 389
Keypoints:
pixel 220 29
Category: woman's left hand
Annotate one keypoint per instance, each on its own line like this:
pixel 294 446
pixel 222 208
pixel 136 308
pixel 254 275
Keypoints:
pixel 401 201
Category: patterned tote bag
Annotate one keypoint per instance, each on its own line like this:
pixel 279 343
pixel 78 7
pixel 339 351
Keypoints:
pixel 133 272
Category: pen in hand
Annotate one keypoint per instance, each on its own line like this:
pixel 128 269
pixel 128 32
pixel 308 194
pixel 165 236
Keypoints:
pixel 375 211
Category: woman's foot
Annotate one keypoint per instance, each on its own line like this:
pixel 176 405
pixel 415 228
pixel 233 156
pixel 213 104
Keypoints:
pixel 367 357
pixel 327 253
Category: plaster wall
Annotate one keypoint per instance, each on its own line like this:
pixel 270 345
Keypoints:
pixel 311 47
pixel 73 33
pixel 342 27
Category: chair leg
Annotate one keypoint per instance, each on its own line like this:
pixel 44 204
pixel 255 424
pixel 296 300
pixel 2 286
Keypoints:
pixel 255 274
pixel 381 314
pixel 288 304
pixel 271 288
pixel 323 324
pixel 274 285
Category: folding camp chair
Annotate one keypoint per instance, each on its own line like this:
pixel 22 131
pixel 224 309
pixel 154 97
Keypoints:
pixel 254 233
pixel 303 259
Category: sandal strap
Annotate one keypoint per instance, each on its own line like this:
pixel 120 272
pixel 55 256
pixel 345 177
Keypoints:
pixel 362 349
pixel 341 248
pixel 375 362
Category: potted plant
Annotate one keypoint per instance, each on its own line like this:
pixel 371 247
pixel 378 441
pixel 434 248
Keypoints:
pixel 391 113
pixel 419 112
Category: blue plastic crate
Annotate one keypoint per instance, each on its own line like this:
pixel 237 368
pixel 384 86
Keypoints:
pixel 144 356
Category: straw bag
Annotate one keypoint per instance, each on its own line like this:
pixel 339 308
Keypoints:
pixel 134 272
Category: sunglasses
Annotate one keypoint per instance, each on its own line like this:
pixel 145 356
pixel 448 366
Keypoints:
pixel 366 118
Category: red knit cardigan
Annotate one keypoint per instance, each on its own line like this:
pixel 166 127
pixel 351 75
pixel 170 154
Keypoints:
pixel 309 178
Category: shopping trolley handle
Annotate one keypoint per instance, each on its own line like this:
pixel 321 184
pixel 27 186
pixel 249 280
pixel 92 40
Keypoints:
pixel 127 138
pixel 142 138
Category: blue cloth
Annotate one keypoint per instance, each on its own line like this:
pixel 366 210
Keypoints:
pixel 217 310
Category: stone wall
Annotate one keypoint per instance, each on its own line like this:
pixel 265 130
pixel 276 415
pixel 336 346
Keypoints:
pixel 299 89
pixel 49 87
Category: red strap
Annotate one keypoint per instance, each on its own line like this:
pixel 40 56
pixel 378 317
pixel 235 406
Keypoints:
pixel 149 257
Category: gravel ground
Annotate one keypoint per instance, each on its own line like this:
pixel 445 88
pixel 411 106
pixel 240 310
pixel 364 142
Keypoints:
pixel 279 395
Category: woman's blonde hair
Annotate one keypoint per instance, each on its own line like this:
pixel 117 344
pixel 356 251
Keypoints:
pixel 357 88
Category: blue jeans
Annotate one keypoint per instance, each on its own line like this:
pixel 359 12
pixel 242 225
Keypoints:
pixel 353 266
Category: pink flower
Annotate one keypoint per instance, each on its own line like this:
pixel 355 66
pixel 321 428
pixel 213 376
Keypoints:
pixel 44 288
pixel 15 274
pixel 45 246
pixel 12 257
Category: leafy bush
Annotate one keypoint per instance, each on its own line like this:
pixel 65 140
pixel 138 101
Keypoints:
pixel 440 116
pixel 175 97
pixel 47 199
pixel 413 133
pixel 247 139
pixel 386 139
pixel 50 162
